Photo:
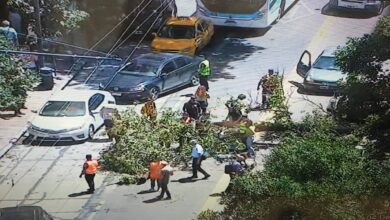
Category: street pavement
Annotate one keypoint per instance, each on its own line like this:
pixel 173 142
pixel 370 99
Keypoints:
pixel 48 175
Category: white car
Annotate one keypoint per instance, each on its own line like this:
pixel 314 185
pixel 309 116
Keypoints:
pixel 70 115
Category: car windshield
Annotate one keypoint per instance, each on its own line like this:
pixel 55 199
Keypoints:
pixel 141 67
pixel 63 109
pixel 328 63
pixel 177 32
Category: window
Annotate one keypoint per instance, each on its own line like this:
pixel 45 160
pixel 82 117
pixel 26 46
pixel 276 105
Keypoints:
pixel 169 67
pixel 181 61
pixel 95 101
pixel 63 109
pixel 205 25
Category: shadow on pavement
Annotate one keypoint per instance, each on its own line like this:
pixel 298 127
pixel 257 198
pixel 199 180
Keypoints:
pixel 146 191
pixel 346 13
pixel 153 200
pixel 187 180
pixel 229 45
pixel 79 194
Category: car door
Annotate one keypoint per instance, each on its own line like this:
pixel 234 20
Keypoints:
pixel 95 105
pixel 169 76
pixel 304 64
pixel 184 69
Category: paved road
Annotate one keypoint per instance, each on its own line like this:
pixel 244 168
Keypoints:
pixel 46 176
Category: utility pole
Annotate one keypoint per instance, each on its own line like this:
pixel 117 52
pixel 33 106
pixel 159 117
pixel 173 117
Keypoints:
pixel 38 29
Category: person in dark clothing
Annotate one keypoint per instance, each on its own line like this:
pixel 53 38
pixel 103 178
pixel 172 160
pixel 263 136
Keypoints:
pixel 192 108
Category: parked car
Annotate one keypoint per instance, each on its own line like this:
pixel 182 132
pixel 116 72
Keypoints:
pixel 324 75
pixel 24 213
pixel 184 35
pixel 70 115
pixel 150 75
pixel 375 6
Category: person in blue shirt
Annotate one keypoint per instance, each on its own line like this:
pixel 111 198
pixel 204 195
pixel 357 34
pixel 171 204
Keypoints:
pixel 9 33
pixel 197 152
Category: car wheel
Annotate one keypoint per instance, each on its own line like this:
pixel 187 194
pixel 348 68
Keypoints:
pixel 91 132
pixel 194 80
pixel 154 93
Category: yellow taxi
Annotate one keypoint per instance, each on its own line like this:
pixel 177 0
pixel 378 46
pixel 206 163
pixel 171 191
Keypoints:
pixel 184 35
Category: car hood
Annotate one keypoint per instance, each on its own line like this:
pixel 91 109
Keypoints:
pixel 57 123
pixel 324 75
pixel 172 44
pixel 127 81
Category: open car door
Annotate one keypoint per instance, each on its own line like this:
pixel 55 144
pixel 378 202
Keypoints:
pixel 304 64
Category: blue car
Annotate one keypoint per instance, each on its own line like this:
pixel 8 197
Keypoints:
pixel 153 74
pixel 323 75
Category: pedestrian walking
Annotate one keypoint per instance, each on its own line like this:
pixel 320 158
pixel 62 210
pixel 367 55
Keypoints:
pixel 247 136
pixel 197 158
pixel 155 168
pixel 204 73
pixel 266 88
pixel 9 33
pixel 149 109
pixel 89 171
pixel 165 173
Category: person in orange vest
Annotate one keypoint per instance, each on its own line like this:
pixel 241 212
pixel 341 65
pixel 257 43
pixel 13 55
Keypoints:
pixel 201 96
pixel 89 170
pixel 155 175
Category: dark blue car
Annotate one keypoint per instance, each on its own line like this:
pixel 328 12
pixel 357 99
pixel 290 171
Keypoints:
pixel 152 74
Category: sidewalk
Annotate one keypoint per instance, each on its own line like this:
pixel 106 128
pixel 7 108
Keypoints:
pixel 12 127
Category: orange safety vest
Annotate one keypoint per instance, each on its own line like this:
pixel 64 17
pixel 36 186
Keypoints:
pixel 92 166
pixel 201 91
pixel 155 170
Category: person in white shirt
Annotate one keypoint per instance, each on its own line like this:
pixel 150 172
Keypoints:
pixel 197 152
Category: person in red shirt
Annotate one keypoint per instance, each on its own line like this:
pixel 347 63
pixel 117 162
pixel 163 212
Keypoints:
pixel 89 170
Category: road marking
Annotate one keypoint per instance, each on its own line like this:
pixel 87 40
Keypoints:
pixel 213 201
pixel 292 14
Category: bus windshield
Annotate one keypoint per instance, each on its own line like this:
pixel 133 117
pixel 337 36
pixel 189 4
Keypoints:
pixel 234 6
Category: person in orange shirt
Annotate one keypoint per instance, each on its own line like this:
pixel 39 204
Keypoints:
pixel 89 170
pixel 155 175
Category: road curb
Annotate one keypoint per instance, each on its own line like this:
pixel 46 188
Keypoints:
pixel 4 151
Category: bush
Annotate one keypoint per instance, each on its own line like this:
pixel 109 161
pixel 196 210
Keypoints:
pixel 15 81
pixel 139 141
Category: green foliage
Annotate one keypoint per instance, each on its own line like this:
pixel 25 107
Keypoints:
pixel 316 173
pixel 14 81
pixel 139 141
pixel 366 93
pixel 282 117
pixel 57 15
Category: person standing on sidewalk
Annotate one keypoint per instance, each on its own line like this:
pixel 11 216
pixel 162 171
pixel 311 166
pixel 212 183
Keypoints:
pixel 89 170
pixel 166 172
pixel 204 73
pixel 197 153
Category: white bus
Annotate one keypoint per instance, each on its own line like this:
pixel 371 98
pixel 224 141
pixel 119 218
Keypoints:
pixel 375 6
pixel 242 13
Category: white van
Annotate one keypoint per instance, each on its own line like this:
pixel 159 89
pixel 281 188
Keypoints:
pixel 375 6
